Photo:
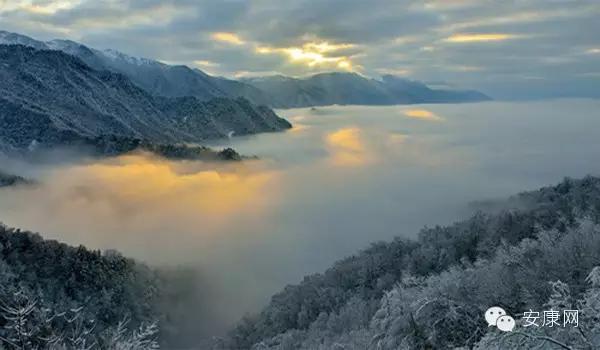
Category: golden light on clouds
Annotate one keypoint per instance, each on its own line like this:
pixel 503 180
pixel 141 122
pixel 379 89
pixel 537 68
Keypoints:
pixel 422 114
pixel 314 54
pixel 47 8
pixel 140 202
pixel 205 63
pixel 345 65
pixel 471 38
pixel 227 37
pixel 347 147
pixel 324 46
pixel 264 50
pixel 143 179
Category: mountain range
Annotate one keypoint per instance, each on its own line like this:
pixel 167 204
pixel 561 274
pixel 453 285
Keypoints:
pixel 54 98
pixel 353 89
pixel 62 92
pixel 155 77
pixel 162 79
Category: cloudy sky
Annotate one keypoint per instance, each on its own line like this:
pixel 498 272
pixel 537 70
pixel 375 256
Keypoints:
pixel 509 48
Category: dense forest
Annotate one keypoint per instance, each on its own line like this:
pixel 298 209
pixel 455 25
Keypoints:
pixel 537 250
pixel 114 146
pixel 111 145
pixel 12 180
pixel 56 296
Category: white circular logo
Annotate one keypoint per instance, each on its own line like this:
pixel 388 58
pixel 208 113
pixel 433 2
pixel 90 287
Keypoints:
pixel 505 323
pixel 492 314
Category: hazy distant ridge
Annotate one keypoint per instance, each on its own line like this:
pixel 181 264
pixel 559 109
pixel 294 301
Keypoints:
pixel 354 89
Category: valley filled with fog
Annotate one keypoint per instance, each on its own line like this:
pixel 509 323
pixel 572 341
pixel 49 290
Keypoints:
pixel 343 177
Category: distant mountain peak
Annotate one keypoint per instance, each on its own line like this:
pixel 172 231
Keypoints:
pixel 118 55
pixel 8 38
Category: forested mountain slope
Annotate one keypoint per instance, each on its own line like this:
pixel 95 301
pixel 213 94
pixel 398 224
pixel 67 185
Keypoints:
pixel 153 76
pixel 51 98
pixel 54 289
pixel 536 250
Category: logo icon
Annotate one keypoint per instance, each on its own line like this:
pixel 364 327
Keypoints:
pixel 505 323
pixel 496 316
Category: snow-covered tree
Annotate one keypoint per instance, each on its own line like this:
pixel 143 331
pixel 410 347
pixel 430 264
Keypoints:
pixel 27 325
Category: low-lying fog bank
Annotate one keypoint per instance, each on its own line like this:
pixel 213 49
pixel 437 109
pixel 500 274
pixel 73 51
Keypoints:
pixel 341 178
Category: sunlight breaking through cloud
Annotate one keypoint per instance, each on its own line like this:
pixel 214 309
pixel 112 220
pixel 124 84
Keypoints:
pixel 314 54
pixel 422 40
pixel 470 38
pixel 230 38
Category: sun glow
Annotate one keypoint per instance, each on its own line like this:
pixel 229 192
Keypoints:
pixel 226 37
pixel 314 54
pixel 470 38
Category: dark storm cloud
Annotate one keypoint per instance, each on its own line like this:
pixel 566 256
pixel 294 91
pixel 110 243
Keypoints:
pixel 483 44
